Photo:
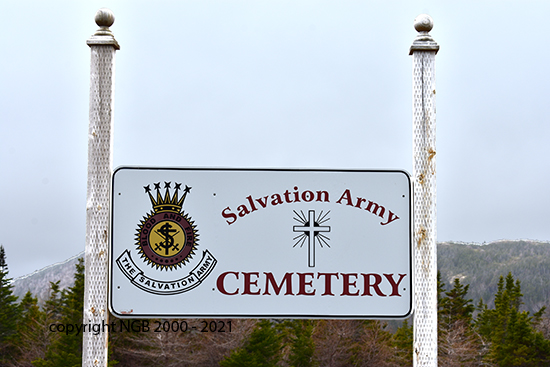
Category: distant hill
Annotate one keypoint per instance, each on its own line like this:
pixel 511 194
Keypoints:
pixel 479 265
pixel 38 282
pixel 482 265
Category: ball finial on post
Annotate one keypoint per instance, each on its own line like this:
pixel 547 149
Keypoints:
pixel 104 18
pixel 423 23
pixel 423 42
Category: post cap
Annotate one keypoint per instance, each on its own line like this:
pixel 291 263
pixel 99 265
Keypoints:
pixel 423 23
pixel 424 42
pixel 104 18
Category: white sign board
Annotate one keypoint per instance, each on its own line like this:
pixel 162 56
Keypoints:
pixel 270 243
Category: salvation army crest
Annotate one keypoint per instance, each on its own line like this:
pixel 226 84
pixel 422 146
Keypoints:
pixel 166 237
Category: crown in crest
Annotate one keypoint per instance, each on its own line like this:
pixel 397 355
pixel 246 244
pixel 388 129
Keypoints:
pixel 166 203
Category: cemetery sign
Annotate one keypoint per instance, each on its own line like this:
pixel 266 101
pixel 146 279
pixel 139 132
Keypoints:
pixel 276 243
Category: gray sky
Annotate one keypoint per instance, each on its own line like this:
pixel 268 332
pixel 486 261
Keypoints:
pixel 319 84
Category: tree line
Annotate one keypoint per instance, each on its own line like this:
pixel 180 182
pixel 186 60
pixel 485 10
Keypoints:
pixel 468 335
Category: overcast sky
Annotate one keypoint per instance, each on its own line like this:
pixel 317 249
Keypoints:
pixel 317 84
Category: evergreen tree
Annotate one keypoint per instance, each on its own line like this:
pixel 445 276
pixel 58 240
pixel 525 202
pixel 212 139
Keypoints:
pixel 9 312
pixel 455 307
pixel 53 306
pixel 33 336
pixel 66 351
pixel 403 344
pixel 458 344
pixel 302 347
pixel 440 288
pixel 262 349
pixel 514 340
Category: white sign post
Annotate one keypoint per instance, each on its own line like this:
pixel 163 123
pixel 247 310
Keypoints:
pixel 423 50
pixel 261 243
pixel 103 47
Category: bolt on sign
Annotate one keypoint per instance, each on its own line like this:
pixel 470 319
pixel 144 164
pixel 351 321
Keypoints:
pixel 274 243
